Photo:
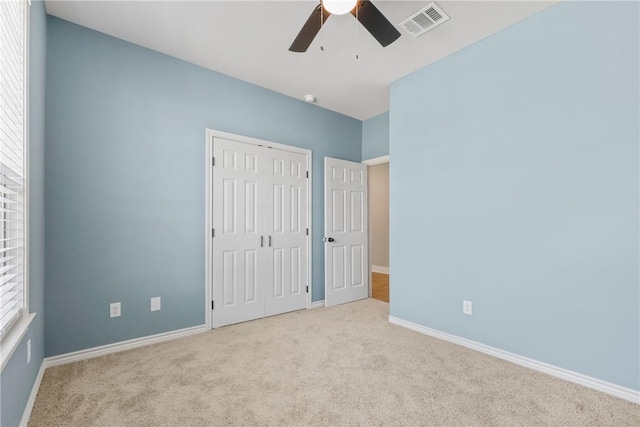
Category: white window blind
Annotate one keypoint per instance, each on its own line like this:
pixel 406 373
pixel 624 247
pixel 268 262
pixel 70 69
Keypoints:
pixel 12 161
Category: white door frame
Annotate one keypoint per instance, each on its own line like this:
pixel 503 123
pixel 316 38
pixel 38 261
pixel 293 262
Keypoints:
pixel 372 162
pixel 210 135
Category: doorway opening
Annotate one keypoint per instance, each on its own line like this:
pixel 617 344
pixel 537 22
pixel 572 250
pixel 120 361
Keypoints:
pixel 378 173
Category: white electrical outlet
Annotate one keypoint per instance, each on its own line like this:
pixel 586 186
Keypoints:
pixel 467 307
pixel 114 309
pixel 155 304
pixel 28 351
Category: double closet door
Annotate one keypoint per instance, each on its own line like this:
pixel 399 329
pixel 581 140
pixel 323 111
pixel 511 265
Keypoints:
pixel 260 241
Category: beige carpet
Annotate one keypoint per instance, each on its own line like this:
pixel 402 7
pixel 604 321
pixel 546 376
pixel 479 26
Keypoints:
pixel 344 365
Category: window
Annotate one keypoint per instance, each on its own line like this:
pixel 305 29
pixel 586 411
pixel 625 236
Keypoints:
pixel 13 148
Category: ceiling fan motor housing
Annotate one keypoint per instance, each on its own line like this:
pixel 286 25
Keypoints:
pixel 366 13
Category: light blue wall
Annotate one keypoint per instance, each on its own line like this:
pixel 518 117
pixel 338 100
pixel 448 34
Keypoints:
pixel 125 167
pixel 375 136
pixel 18 377
pixel 514 184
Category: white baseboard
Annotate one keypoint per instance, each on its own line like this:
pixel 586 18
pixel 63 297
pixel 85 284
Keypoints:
pixel 122 346
pixel 100 351
pixel 32 396
pixel 565 374
pixel 317 304
pixel 380 269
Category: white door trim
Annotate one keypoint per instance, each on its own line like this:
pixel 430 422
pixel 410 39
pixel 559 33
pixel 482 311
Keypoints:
pixel 376 160
pixel 210 134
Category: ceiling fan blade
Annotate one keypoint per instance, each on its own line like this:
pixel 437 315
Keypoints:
pixel 309 30
pixel 375 22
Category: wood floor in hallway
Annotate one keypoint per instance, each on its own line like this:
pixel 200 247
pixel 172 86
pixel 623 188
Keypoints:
pixel 380 286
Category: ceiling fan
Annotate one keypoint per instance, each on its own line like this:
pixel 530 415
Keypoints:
pixel 368 15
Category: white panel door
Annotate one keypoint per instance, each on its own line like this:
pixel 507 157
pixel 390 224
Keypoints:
pixel 238 247
pixel 346 231
pixel 287 225
pixel 260 217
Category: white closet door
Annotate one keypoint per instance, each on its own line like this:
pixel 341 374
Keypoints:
pixel 260 254
pixel 286 218
pixel 238 258
pixel 346 231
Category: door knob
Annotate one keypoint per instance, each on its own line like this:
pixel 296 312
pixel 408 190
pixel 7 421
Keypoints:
pixel 328 239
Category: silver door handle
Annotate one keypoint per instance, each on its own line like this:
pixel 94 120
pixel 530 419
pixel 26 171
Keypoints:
pixel 261 241
pixel 269 241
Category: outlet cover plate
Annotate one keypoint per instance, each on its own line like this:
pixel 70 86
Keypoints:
pixel 467 307
pixel 155 304
pixel 114 309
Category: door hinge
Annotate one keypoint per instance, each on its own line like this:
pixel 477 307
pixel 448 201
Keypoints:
pixel 307 289
pixel 213 305
pixel 213 161
pixel 213 232
pixel 307 231
pixel 307 174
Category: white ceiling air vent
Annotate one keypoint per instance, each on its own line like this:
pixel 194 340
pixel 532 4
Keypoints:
pixel 424 20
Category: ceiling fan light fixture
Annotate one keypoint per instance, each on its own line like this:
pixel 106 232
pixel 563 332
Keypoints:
pixel 339 7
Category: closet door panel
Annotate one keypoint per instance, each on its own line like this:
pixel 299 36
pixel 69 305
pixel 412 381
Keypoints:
pixel 237 258
pixel 260 248
pixel 287 187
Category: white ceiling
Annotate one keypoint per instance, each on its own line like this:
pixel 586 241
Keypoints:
pixel 249 40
